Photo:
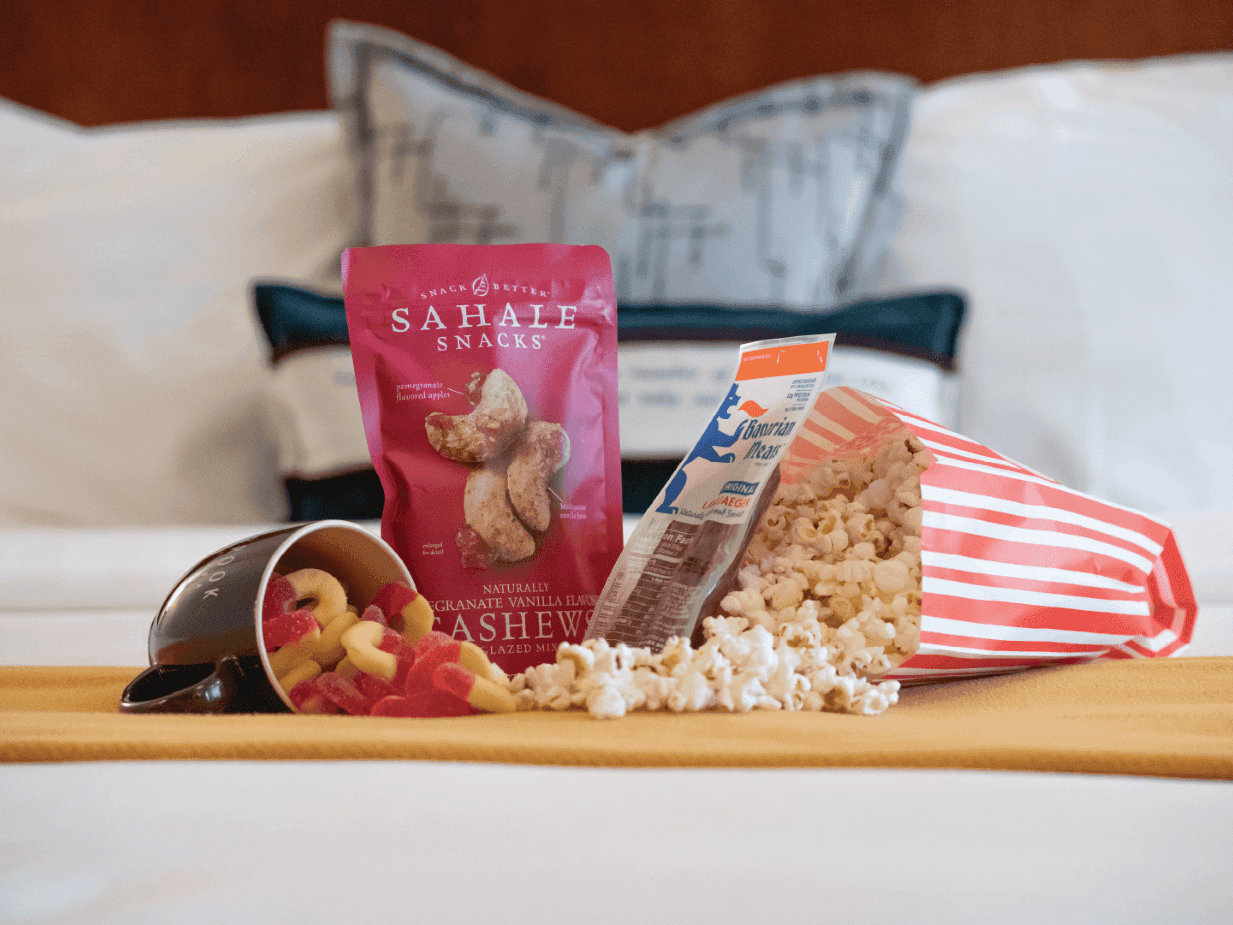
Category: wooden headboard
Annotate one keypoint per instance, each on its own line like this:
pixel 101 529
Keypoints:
pixel 629 63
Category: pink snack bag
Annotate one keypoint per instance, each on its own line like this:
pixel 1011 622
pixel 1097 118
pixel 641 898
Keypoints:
pixel 487 380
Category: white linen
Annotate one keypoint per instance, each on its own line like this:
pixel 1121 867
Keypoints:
pixel 49 568
pixel 377 842
pixel 1084 210
pixel 132 368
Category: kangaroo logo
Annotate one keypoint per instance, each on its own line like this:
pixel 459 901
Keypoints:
pixel 708 446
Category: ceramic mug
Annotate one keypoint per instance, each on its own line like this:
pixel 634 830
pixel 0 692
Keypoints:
pixel 206 648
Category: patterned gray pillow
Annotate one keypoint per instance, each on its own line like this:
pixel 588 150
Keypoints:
pixel 784 197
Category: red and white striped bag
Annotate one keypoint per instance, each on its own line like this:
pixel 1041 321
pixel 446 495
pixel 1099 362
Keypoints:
pixel 1016 569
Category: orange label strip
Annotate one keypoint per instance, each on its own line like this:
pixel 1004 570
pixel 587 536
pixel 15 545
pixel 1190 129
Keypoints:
pixel 788 360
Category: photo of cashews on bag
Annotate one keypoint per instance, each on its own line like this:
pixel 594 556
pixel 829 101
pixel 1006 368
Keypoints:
pixel 485 504
pixel 507 500
pixel 538 456
pixel 496 421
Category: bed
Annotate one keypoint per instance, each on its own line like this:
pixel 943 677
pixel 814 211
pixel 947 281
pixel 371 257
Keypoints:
pixel 1021 232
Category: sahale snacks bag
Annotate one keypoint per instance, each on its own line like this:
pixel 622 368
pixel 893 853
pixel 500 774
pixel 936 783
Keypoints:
pixel 487 379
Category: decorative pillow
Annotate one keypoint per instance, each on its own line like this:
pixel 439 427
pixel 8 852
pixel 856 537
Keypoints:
pixel 673 366
pixel 784 197
pixel 313 406
pixel 134 372
pixel 1084 209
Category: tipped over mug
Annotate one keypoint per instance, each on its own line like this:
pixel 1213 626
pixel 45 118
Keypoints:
pixel 205 645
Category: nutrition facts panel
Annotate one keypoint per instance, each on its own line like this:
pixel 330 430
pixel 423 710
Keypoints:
pixel 662 599
pixel 643 612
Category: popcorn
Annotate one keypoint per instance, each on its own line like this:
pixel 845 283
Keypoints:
pixel 827 600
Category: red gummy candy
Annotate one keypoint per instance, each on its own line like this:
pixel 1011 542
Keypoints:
pixel 344 693
pixel 392 642
pixel 393 706
pixel 392 598
pixel 308 698
pixel 432 650
pixel 301 692
pixel 406 661
pixel 279 597
pixel 375 614
pixel 452 677
pixel 282 629
pixel 432 639
pixel 372 687
pixel 439 703
pixel 425 705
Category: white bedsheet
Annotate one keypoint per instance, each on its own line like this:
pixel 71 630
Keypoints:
pixel 209 842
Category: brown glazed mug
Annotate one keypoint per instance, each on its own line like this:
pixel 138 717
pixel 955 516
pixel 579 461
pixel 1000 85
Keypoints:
pixel 206 649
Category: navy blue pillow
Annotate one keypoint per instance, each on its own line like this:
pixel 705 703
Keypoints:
pixel 921 326
pixel 297 323
pixel 924 325
pixel 294 319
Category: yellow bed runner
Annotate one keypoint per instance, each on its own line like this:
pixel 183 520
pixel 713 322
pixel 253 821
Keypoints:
pixel 1166 717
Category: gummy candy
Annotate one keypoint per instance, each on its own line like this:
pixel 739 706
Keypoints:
pixel 361 644
pixel 304 671
pixel 291 656
pixel 406 610
pixel 281 629
pixel 374 614
pixel 308 698
pixel 432 650
pixel 329 599
pixel 279 597
pixel 454 678
pixel 393 597
pixel 344 693
pixel 385 661
pixel 374 687
pixel 425 705
pixel 328 650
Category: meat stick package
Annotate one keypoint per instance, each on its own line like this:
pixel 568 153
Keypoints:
pixel 686 547
pixel 488 385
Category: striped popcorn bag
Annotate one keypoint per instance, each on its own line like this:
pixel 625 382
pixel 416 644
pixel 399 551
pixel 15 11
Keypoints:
pixel 1016 569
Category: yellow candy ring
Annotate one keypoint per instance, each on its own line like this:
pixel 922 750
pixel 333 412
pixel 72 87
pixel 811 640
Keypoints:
pixel 361 642
pixel 327 597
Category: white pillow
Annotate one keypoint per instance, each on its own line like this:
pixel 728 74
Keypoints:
pixel 1086 211
pixel 782 197
pixel 133 369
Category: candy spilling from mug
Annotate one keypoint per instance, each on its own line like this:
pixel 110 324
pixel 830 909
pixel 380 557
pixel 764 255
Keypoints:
pixel 329 657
